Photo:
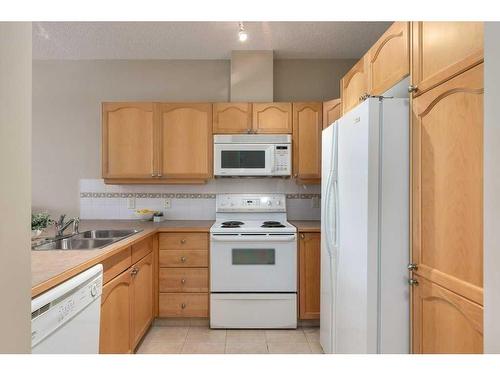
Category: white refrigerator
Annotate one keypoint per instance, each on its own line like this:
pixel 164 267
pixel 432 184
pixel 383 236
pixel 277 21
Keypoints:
pixel 365 230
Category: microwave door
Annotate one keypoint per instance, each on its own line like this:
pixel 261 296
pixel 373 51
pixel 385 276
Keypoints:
pixel 242 160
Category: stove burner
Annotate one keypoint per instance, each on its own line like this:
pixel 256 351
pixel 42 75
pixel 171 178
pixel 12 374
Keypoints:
pixel 272 224
pixel 231 224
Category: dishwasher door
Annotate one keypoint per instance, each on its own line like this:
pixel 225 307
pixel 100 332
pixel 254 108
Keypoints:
pixel 66 319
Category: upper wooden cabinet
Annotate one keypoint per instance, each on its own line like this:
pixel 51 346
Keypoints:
pixel 445 322
pixel 441 50
pixel 232 118
pixel 389 58
pixel 128 140
pixel 309 275
pixel 307 126
pixel 272 118
pixel 332 111
pixel 185 141
pixel 354 85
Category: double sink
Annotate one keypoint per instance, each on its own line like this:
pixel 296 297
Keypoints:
pixel 91 239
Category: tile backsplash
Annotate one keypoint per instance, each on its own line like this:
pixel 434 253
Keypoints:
pixel 191 202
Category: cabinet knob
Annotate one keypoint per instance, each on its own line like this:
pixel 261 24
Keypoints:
pixel 413 282
pixel 134 271
pixel 412 88
pixel 183 241
pixel 153 175
pixel 412 267
pixel 159 175
pixel 183 306
pixel 183 259
pixel 295 175
pixel 183 281
pixel 302 236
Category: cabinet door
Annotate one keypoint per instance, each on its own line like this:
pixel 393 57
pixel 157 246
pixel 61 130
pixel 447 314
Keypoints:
pixel 185 141
pixel 444 322
pixel 354 85
pixel 116 315
pixel 128 140
pixel 142 304
pixel 309 275
pixel 332 111
pixel 232 118
pixel 389 58
pixel 442 50
pixel 307 125
pixel 447 189
pixel 272 118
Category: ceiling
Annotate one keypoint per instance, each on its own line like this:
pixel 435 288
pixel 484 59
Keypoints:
pixel 201 40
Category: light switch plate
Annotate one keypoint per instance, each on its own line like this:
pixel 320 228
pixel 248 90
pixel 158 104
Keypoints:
pixel 131 203
pixel 168 203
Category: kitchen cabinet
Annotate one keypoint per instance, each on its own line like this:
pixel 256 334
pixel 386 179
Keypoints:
pixel 447 224
pixel 389 58
pixel 332 111
pixel 309 275
pixel 142 292
pixel 442 50
pixel 127 301
pixel 183 275
pixel 116 317
pixel 307 126
pixel 445 322
pixel 272 118
pixel 185 141
pixel 128 140
pixel 354 85
pixel 232 118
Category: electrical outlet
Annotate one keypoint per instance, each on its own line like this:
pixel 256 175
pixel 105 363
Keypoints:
pixel 315 202
pixel 168 203
pixel 131 203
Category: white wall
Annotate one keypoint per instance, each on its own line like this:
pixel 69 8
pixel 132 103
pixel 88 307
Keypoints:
pixel 67 97
pixel 15 187
pixel 492 188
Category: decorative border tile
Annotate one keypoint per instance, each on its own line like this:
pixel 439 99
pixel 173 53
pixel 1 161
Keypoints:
pixel 177 195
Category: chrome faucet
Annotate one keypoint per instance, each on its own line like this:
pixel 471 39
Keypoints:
pixel 61 225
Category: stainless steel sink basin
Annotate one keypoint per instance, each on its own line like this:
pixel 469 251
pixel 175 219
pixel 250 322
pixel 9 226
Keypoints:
pixel 92 239
pixel 113 233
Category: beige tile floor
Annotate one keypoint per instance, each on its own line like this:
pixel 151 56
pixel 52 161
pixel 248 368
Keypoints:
pixel 202 340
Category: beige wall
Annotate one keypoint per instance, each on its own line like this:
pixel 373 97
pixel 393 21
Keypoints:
pixel 15 188
pixel 66 108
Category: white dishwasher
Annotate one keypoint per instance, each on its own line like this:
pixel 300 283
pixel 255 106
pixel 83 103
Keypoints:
pixel 66 319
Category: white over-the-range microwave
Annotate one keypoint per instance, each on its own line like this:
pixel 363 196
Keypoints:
pixel 253 155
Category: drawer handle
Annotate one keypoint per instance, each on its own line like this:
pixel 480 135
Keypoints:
pixel 183 281
pixel 183 241
pixel 183 306
pixel 183 259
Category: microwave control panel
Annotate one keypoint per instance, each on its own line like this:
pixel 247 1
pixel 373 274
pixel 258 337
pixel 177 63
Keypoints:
pixel 282 159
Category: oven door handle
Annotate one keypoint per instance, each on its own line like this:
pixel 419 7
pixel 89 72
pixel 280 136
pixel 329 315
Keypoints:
pixel 253 238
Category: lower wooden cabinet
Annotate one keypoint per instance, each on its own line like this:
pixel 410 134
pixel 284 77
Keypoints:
pixel 127 308
pixel 445 322
pixel 309 275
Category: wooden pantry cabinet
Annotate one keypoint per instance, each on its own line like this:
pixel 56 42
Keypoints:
pixel 309 275
pixel 332 111
pixel 127 299
pixel 442 50
pixel 157 143
pixel 306 141
pixel 389 58
pixel 183 275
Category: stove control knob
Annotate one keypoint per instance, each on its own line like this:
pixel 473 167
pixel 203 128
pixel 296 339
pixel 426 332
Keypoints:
pixel 269 203
pixel 278 203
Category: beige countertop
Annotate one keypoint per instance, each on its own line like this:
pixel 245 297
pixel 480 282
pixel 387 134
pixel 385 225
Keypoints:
pixel 51 267
pixel 307 225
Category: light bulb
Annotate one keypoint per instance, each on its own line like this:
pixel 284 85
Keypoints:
pixel 242 35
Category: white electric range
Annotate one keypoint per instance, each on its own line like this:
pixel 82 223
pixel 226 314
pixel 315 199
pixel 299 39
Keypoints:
pixel 253 263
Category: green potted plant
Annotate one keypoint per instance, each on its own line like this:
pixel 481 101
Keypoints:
pixel 39 222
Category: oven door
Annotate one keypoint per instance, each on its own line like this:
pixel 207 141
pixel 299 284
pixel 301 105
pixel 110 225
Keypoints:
pixel 253 263
pixel 243 159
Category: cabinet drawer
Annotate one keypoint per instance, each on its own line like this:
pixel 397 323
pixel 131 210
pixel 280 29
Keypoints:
pixel 189 280
pixel 141 249
pixel 116 264
pixel 188 241
pixel 192 305
pixel 183 258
